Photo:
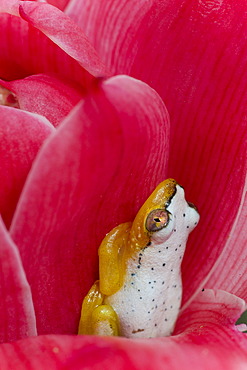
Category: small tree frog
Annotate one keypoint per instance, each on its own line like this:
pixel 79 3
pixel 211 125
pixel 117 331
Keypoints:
pixel 139 290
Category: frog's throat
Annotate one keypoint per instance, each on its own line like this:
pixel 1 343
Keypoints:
pixel 139 236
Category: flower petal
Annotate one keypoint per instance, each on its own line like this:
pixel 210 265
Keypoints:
pixel 215 308
pixel 36 53
pixel 198 67
pixel 45 95
pixel 60 4
pixel 111 25
pixel 207 344
pixel 16 306
pixel 232 262
pixel 65 33
pixel 84 183
pixel 21 135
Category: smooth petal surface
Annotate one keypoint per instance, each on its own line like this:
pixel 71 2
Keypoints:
pixel 65 33
pixel 60 4
pixel 21 136
pixel 215 308
pixel 234 257
pixel 16 306
pixel 198 66
pixel 43 42
pixel 84 183
pixel 212 343
pixel 45 95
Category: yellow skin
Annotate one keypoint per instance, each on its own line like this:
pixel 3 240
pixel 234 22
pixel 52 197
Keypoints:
pixel 124 244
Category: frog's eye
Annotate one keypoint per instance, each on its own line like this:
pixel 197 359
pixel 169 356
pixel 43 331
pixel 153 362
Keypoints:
pixel 157 219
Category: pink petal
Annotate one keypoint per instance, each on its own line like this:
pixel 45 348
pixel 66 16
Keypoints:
pixel 36 53
pixel 65 33
pixel 209 344
pixel 198 66
pixel 215 308
pixel 45 95
pixel 111 25
pixel 81 186
pixel 16 306
pixel 60 4
pixel 233 259
pixel 21 135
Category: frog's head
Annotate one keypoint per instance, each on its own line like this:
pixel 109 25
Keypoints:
pixel 165 215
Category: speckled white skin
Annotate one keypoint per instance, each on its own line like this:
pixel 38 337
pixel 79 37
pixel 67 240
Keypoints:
pixel 148 303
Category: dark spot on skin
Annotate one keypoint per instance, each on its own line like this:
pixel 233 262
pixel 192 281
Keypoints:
pixel 165 319
pixel 148 244
pixel 164 303
pixel 171 270
pixel 154 281
pixel 149 282
pixel 163 282
pixel 180 257
pixel 180 245
pixel 203 290
pixel 153 300
pixel 140 297
pixel 174 230
pixel 138 266
pixel 166 247
pixel 140 254
pixel 133 310
pixel 152 268
pixel 152 287
pixel 176 250
pixel 187 227
pixel 132 283
pixel 159 251
pixel 156 306
pixel 195 223
pixel 155 324
pixel 138 290
pixel 184 215
pixel 166 310
pixel 171 306
pixel 163 264
pixel 148 311
pixel 132 274
pixel 174 286
pixel 137 331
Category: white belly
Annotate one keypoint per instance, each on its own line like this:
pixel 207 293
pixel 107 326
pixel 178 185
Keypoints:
pixel 148 303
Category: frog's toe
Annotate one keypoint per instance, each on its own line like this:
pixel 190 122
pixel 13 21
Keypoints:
pixel 105 321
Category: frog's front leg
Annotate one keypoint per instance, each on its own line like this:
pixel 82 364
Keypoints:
pixel 97 318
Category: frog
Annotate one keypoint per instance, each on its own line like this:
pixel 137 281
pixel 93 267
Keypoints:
pixel 139 291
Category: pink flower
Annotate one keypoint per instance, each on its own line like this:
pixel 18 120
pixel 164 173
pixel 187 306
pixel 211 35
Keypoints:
pixel 63 188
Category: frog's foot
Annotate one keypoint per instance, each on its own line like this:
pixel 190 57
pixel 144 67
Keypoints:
pixel 97 318
pixel 104 321
pixel 93 299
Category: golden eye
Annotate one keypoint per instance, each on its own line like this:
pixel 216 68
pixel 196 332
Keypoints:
pixel 157 220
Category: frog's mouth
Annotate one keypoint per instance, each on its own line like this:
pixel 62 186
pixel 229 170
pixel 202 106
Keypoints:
pixel 168 202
